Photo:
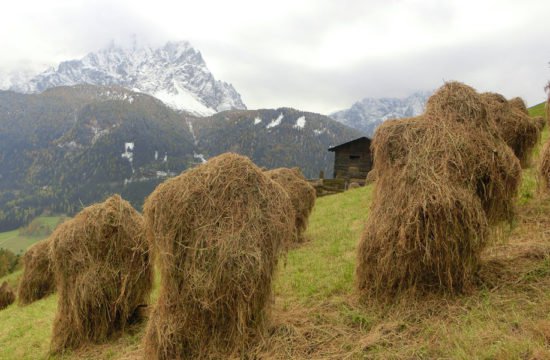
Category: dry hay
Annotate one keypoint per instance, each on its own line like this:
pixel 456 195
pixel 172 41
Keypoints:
pixel 518 104
pixel 371 177
pixel 442 178
pixel 103 273
pixel 544 167
pixel 473 159
pixel 37 280
pixel 457 102
pixel 301 193
pixel 516 128
pixel 540 122
pixel 7 296
pixel 422 240
pixel 217 230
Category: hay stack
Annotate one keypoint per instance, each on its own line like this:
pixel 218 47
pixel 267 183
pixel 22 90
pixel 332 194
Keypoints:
pixel 301 193
pixel 544 167
pixel 217 230
pixel 516 128
pixel 540 122
pixel 459 103
pixel 102 269
pixel 37 281
pixel 442 178
pixel 518 104
pixel 463 154
pixel 7 296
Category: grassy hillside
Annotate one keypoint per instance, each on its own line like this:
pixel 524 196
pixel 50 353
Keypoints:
pixel 316 314
pixel 16 243
pixel 538 110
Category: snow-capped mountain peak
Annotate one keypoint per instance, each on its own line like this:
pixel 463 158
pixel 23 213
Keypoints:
pixel 176 73
pixel 368 113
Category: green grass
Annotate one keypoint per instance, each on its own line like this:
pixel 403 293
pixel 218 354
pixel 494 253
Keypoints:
pixel 16 243
pixel 538 110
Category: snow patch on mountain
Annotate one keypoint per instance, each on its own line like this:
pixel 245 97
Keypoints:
pixel 300 123
pixel 175 73
pixel 367 114
pixel 275 122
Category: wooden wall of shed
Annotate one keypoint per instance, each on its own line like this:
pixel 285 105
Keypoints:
pixel 346 167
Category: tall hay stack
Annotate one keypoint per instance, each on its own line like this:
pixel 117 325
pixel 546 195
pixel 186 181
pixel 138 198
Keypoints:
pixel 443 177
pixel 217 231
pixel 301 193
pixel 7 295
pixel 37 281
pixel 103 272
pixel 516 127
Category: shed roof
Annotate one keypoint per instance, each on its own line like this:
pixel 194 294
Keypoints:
pixel 362 138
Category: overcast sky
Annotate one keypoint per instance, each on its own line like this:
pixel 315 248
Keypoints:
pixel 315 55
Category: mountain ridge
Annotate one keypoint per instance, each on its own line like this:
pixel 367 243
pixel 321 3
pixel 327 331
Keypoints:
pixel 175 73
pixel 367 114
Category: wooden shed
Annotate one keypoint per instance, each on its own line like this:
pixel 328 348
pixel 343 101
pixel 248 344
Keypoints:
pixel 352 160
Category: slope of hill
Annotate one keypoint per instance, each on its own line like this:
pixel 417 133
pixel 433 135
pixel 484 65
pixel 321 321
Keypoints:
pixel 366 114
pixel 176 73
pixel 538 110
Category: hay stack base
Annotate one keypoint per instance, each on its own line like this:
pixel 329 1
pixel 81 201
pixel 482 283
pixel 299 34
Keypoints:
pixel 37 281
pixel 7 295
pixel 103 273
pixel 301 193
pixel 217 231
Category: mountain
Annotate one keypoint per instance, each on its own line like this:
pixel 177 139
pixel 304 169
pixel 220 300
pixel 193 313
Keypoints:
pixel 273 138
pixel 71 146
pixel 365 115
pixel 175 73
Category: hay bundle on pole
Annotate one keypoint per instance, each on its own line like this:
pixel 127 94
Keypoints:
pixel 103 272
pixel 37 281
pixel 516 128
pixel 217 230
pixel 7 296
pixel 301 193
pixel 442 178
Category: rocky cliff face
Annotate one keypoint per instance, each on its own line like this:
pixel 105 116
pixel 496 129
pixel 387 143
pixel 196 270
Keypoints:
pixel 175 73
